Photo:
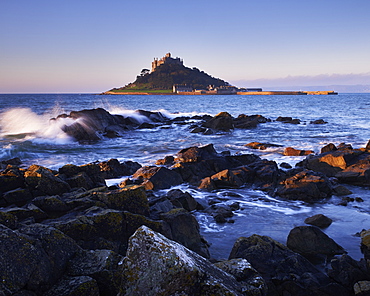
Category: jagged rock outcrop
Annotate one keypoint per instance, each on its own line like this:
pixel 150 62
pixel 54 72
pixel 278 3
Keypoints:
pixel 284 271
pixel 155 265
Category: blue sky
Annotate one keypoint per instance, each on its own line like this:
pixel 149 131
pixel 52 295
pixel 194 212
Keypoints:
pixel 93 46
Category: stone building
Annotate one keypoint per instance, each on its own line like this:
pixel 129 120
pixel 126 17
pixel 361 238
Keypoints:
pixel 167 59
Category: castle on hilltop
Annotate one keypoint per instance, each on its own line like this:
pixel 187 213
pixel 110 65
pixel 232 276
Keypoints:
pixel 167 59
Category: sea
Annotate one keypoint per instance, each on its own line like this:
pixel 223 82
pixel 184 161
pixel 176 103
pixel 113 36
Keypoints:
pixel 27 132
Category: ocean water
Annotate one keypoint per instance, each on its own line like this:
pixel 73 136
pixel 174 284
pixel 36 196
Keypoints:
pixel 27 132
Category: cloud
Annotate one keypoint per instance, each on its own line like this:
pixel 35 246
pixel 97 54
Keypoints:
pixel 299 81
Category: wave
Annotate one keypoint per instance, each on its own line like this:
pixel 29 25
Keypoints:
pixel 24 124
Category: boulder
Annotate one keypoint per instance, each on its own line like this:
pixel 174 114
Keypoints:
pixel 156 178
pixel 305 185
pixel 182 199
pixel 287 119
pixel 80 285
pixel 310 240
pixel 328 148
pixel 101 265
pixel 318 121
pixel 185 230
pixel 261 146
pixel 42 181
pixel 319 220
pixel 222 121
pixel 155 265
pixel 356 174
pixel 285 272
pixel 348 271
pixel 290 151
pixel 245 274
pixel 130 198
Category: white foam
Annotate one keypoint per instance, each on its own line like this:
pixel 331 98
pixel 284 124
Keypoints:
pixel 34 127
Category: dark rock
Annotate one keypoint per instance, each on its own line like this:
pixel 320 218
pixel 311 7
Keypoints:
pixel 11 178
pixel 245 121
pixel 261 146
pixel 168 160
pixel 132 199
pixel 13 161
pixel 267 174
pixel 101 265
pixel 288 120
pixel 8 219
pixel 310 240
pixel 185 230
pixel 184 199
pixel 245 274
pixel 232 177
pixel 42 181
pixel 58 247
pixel 319 220
pixel 81 286
pixel 348 271
pixel 344 146
pixel 160 207
pixel 197 154
pixel 328 148
pixel 52 205
pixel 365 243
pixel 285 272
pixel 19 196
pixel 318 121
pixel 158 177
pixel 154 265
pixel 222 121
pixel 220 212
pixel 285 165
pixel 340 190
pixel 367 148
pixel 305 185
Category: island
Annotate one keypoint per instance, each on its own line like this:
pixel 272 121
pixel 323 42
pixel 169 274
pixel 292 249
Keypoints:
pixel 169 76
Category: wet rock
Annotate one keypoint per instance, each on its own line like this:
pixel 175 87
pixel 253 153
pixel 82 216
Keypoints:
pixel 114 169
pixel 310 240
pixel 328 148
pixel 261 146
pixel 158 177
pixel 267 174
pixel 155 265
pixel 19 196
pixel 245 274
pixel 288 120
pixel 167 161
pixel 285 165
pixel 367 148
pixel 230 178
pixel 163 205
pixel 319 220
pixel 340 190
pixel 220 212
pixel 305 185
pixel 356 174
pixel 197 154
pixel 290 151
pixel 185 230
pixel 318 121
pixel 285 272
pixel 344 146
pixel 222 121
pixel 81 285
pixel 348 271
pixel 11 178
pixel 182 199
pixel 101 265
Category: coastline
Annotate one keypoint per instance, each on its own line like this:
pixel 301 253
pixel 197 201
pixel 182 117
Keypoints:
pixel 205 93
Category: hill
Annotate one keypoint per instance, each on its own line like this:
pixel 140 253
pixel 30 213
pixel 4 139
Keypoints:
pixel 168 72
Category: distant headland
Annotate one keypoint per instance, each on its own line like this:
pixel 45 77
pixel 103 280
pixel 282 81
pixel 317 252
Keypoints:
pixel 169 76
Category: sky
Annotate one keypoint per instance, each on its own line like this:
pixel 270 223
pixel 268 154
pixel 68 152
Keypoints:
pixel 89 46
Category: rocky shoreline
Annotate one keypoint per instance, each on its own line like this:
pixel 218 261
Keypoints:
pixel 64 232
